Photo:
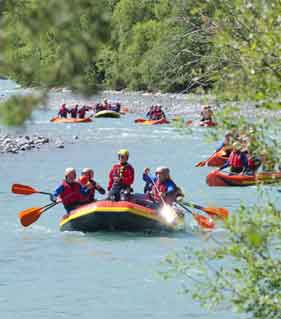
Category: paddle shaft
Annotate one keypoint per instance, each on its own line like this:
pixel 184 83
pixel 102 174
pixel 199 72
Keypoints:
pixel 157 189
pixel 183 206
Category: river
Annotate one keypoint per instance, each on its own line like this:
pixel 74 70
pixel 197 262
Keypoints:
pixel 49 274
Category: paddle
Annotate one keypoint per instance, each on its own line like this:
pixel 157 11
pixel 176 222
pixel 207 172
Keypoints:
pixel 202 221
pixel 188 122
pixel 26 190
pixel 203 163
pixel 30 215
pixel 213 211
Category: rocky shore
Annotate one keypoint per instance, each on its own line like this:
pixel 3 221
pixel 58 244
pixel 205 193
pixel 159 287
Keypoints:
pixel 17 144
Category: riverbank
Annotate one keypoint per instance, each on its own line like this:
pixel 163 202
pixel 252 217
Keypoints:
pixel 19 143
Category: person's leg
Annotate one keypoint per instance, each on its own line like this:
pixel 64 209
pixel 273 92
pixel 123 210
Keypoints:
pixel 114 193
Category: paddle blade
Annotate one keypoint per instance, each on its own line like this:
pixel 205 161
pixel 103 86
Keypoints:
pixel 189 122
pixel 23 189
pixel 218 212
pixel 204 222
pixel 200 164
pixel 30 215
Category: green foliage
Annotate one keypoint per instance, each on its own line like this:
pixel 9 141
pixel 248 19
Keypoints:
pixel 17 109
pixel 246 50
pixel 53 43
pixel 243 271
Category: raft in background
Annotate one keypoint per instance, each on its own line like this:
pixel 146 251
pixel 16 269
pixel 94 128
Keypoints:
pixel 108 114
pixel 118 216
pixel 151 122
pixel 218 178
pixel 70 120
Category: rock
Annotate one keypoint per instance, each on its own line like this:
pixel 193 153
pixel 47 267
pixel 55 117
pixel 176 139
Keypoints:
pixel 75 137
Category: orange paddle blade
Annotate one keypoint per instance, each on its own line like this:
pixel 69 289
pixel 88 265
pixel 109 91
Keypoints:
pixel 204 222
pixel 219 212
pixel 189 122
pixel 200 164
pixel 23 189
pixel 30 215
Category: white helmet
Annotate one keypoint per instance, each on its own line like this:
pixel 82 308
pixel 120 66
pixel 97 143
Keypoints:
pixel 68 171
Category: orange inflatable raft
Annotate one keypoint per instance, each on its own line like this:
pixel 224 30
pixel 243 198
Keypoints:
pixel 218 178
pixel 70 120
pixel 151 122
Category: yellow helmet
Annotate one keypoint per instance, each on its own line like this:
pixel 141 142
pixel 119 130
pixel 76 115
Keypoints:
pixel 123 152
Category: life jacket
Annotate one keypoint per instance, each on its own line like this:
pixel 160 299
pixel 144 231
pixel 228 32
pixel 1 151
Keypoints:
pixel 82 112
pixel 63 112
pixel 235 160
pixel 71 193
pixel 125 171
pixel 162 188
pixel 74 112
pixel 251 163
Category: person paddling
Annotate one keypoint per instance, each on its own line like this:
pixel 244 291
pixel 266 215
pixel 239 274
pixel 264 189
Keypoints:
pixel 70 192
pixel 237 161
pixel 162 186
pixel 226 144
pixel 121 178
pixel 63 111
pixel 87 180
pixel 150 113
pixel 74 111
pixel 206 114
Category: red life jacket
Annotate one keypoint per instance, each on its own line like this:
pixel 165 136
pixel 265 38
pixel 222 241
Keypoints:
pixel 126 172
pixel 74 112
pixel 63 112
pixel 162 188
pixel 235 160
pixel 251 163
pixel 71 193
pixel 82 112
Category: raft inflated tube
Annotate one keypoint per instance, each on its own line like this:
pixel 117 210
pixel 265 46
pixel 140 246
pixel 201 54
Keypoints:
pixel 121 216
pixel 151 122
pixel 208 123
pixel 218 178
pixel 70 120
pixel 107 113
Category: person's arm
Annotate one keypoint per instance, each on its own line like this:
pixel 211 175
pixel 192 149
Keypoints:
pixel 146 178
pixel 84 190
pixel 110 180
pixel 226 164
pixel 170 187
pixel 58 190
pixel 100 189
